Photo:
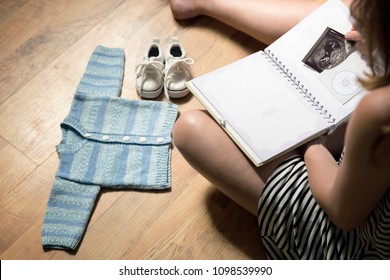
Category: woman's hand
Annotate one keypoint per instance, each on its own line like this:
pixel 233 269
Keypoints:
pixel 317 141
pixel 354 35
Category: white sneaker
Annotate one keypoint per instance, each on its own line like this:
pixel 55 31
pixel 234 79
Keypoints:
pixel 149 81
pixel 177 71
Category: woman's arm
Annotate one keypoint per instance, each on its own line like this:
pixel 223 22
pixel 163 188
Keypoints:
pixel 350 192
pixel 322 170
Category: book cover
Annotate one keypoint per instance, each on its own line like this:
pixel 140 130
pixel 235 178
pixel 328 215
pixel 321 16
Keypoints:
pixel 299 87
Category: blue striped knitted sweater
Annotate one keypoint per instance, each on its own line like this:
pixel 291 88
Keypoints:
pixel 116 142
pixel 107 141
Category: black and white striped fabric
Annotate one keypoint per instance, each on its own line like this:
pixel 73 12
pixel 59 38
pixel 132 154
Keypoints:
pixel 293 226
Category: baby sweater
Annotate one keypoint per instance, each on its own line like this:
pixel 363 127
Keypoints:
pixel 107 141
pixel 116 142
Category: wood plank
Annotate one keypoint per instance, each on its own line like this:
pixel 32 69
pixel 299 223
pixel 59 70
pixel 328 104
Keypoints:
pixel 39 31
pixel 27 247
pixel 35 129
pixel 8 8
pixel 193 220
pixel 25 205
pixel 14 168
pixel 23 212
pixel 198 226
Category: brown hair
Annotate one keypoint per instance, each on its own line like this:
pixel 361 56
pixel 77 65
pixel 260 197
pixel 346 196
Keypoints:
pixel 372 19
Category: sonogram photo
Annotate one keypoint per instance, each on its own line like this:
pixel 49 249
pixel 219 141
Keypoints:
pixel 329 51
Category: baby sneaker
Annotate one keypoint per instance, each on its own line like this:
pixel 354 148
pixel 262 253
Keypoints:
pixel 149 81
pixel 177 70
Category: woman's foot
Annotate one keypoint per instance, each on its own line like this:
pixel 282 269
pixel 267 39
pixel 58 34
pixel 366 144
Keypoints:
pixel 184 9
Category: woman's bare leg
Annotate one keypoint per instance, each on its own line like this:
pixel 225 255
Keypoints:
pixel 264 20
pixel 213 154
pixel 197 136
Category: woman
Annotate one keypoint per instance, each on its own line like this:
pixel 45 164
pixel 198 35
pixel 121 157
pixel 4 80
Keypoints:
pixel 264 20
pixel 309 206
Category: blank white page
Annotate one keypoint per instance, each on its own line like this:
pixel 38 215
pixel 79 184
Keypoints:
pixel 264 110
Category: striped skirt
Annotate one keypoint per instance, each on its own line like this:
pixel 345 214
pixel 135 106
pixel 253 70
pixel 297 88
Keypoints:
pixel 293 226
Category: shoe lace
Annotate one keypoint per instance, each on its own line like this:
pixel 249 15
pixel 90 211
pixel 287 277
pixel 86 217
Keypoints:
pixel 176 64
pixel 140 70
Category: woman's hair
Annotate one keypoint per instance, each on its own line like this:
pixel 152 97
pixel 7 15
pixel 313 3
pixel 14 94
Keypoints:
pixel 372 20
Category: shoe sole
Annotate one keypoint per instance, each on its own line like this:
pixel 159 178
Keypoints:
pixel 149 94
pixel 178 93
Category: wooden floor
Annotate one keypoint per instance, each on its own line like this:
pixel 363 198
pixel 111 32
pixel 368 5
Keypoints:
pixel 44 48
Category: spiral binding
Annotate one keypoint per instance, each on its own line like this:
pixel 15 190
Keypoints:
pixel 300 87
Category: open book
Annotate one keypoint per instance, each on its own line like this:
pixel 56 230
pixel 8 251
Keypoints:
pixel 301 86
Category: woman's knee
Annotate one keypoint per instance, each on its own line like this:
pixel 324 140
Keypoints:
pixel 189 127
